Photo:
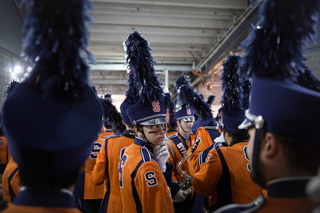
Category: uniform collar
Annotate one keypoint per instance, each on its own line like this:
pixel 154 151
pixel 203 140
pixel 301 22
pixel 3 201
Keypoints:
pixel 129 133
pixel 44 198
pixel 183 137
pixel 139 141
pixel 289 187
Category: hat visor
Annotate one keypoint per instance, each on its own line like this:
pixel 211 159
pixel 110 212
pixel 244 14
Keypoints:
pixel 187 118
pixel 154 121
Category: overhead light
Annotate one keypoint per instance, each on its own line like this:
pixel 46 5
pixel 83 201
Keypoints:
pixel 17 69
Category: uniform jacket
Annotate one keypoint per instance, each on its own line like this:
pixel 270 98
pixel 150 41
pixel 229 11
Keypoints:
pixel 143 187
pixel 178 147
pixel 226 177
pixel 4 154
pixel 106 169
pixel 29 201
pixel 85 189
pixel 11 181
pixel 206 135
pixel 284 195
pixel 106 133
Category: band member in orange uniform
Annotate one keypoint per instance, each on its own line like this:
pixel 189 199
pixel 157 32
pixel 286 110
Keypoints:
pixel 144 173
pixel 225 176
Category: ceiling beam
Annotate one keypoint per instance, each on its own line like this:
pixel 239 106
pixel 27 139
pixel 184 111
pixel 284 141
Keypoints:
pixel 217 4
pixel 122 67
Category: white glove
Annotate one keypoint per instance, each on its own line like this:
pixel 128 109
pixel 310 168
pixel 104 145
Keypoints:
pixel 161 155
pixel 220 139
pixel 182 195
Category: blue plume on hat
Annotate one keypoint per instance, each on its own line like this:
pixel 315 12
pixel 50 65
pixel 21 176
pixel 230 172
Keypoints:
pixel 231 85
pixel 167 100
pixel 274 48
pixel 111 114
pixel 11 86
pixel 308 80
pixel 108 96
pixel 132 94
pixel 210 100
pixel 168 104
pixel 188 96
pixel 233 95
pixel 140 63
pixel 55 36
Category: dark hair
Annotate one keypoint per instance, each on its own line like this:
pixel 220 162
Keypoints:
pixel 236 138
pixel 301 155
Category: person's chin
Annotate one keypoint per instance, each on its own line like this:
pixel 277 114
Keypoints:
pixel 160 141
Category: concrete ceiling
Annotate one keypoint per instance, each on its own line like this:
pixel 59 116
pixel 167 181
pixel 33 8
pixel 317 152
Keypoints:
pixel 191 36
pixel 182 34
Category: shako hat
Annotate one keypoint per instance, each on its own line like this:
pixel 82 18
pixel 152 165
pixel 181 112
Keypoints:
pixel 53 117
pixel 187 95
pixel 274 61
pixel 149 109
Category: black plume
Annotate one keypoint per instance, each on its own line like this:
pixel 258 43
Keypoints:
pixel 274 48
pixel 140 63
pixel 187 95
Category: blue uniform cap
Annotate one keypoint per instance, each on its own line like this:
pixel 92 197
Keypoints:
pixel 183 112
pixel 286 108
pixel 145 113
pixel 59 130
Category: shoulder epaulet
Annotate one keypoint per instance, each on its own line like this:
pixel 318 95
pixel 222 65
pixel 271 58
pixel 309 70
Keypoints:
pixel 173 135
pixel 145 154
pixel 211 127
pixel 243 208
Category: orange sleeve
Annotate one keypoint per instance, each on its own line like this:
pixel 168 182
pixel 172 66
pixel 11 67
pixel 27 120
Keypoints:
pixel 205 142
pixel 99 173
pixel 152 189
pixel 11 168
pixel 206 179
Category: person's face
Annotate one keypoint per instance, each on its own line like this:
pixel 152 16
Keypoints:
pixel 185 126
pixel 155 134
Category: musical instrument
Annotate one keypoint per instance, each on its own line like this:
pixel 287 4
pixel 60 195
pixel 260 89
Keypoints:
pixel 187 182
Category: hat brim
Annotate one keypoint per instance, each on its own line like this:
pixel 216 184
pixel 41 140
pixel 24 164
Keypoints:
pixel 154 121
pixel 187 118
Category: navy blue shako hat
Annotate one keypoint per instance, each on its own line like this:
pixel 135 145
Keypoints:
pixel 274 61
pixel 53 117
pixel 183 111
pixel 187 95
pixel 149 109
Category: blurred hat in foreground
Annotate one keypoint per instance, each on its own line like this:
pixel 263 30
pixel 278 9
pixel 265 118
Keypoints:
pixel 274 60
pixel 53 117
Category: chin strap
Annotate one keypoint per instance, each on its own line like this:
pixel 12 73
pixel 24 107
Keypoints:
pixel 255 157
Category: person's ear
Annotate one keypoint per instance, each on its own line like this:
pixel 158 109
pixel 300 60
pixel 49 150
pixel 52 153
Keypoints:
pixel 270 146
pixel 138 133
